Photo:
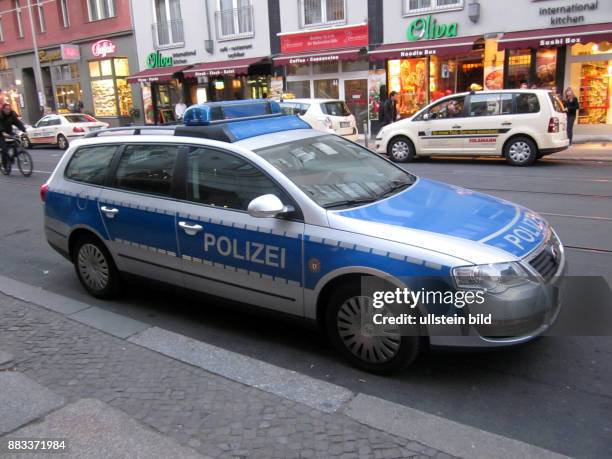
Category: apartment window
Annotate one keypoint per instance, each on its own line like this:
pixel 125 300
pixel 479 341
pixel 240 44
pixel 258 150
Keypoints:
pixel 63 13
pixel 319 12
pixel 168 26
pixel 100 9
pixel 414 7
pixel 1 31
pixel 40 14
pixel 18 19
pixel 234 19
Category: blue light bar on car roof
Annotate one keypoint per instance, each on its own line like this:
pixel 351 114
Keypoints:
pixel 217 112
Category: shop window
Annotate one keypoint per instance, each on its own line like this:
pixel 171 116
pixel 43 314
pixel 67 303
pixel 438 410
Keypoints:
pixel 298 69
pixel 546 68
pixel 413 7
pixel 18 18
pixel 168 26
pixel 299 89
pixel 112 95
pixel 65 72
pixel 519 65
pixel 325 67
pixel 359 65
pixel 68 97
pixel 234 19
pixel 408 77
pixel 442 76
pixel 319 12
pixel 595 87
pixel 100 9
pixel 326 89
pixel 589 49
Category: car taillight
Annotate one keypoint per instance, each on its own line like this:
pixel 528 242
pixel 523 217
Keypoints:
pixel 107 125
pixel 78 129
pixel 553 125
pixel 44 189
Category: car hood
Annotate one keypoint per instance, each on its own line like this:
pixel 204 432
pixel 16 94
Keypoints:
pixel 457 213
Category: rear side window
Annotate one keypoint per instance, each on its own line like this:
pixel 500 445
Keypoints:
pixel 556 102
pixel 489 104
pixel 338 108
pixel 147 169
pixel 90 164
pixel 54 122
pixel 527 103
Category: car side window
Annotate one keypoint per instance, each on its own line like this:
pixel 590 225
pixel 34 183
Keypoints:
pixel 303 109
pixel 147 169
pixel 90 164
pixel 221 179
pixel 485 105
pixel 527 103
pixel 450 108
pixel 54 122
pixel 288 109
pixel 42 123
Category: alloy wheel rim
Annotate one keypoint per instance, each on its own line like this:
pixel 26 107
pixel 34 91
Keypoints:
pixel 62 143
pixel 400 150
pixel 93 267
pixel 359 339
pixel 520 152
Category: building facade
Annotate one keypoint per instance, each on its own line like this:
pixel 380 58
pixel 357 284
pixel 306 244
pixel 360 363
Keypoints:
pixel 86 52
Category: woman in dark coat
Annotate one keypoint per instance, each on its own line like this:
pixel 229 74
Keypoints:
pixel 571 105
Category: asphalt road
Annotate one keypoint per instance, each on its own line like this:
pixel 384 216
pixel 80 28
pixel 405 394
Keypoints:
pixel 555 392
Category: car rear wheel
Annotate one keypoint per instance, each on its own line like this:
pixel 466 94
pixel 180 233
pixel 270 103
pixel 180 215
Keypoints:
pixel 62 142
pixel 95 268
pixel 25 142
pixel 521 151
pixel 363 346
pixel 401 150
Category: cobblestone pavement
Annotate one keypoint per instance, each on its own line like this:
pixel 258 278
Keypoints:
pixel 215 416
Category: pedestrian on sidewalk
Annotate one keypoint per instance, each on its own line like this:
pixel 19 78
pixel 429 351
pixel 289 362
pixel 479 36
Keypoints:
pixel 389 109
pixel 571 105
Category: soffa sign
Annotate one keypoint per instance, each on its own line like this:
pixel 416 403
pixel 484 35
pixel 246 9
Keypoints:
pixel 427 28
pixel 103 48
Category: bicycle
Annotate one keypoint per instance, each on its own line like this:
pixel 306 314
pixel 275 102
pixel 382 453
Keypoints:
pixel 17 152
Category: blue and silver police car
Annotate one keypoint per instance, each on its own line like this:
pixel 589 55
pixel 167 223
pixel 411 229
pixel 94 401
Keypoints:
pixel 246 203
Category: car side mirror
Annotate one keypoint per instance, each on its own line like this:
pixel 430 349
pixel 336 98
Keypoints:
pixel 267 206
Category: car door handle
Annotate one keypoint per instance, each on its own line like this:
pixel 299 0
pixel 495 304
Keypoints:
pixel 110 212
pixel 190 230
pixel 456 126
pixel 506 123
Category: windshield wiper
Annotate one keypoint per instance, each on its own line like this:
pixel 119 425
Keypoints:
pixel 394 189
pixel 351 202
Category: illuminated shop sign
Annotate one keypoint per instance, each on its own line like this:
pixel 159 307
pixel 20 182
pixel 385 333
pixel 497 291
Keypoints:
pixel 156 60
pixel 428 28
pixel 103 48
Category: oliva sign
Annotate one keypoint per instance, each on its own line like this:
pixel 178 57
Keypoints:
pixel 155 60
pixel 427 28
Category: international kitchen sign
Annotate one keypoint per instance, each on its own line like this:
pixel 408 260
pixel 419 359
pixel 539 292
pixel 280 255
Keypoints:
pixel 428 28
pixel 156 60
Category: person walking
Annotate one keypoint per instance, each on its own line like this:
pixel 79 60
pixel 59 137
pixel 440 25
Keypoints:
pixel 389 109
pixel 571 106
pixel 179 109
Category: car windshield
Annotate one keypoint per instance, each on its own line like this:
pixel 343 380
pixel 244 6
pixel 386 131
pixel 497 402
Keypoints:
pixel 337 108
pixel 336 173
pixel 79 118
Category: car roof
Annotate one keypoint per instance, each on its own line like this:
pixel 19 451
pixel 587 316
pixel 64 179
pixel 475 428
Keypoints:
pixel 310 101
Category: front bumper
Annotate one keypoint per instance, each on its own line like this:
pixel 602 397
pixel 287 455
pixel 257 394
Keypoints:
pixel 520 314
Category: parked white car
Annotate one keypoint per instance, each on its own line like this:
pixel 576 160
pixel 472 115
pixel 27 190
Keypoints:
pixel 520 125
pixel 60 130
pixel 327 115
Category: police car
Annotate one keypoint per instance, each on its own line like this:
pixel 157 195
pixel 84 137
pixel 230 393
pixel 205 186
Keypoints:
pixel 246 203
pixel 519 125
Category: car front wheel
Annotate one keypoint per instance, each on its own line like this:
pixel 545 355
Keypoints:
pixel 401 150
pixel 62 142
pixel 25 142
pixel 521 151
pixel 364 345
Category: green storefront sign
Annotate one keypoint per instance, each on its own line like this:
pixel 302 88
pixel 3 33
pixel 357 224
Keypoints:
pixel 427 28
pixel 156 60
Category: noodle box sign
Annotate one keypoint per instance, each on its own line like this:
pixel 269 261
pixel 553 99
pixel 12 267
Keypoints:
pixel 103 48
pixel 428 28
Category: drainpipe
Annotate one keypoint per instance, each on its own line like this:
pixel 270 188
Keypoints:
pixel 208 44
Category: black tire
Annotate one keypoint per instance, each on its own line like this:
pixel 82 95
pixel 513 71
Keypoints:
pixel 25 141
pixel 339 333
pixel 25 164
pixel 6 170
pixel 95 268
pixel 520 151
pixel 400 150
pixel 62 142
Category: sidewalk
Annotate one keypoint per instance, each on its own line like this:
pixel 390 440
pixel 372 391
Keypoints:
pixel 109 396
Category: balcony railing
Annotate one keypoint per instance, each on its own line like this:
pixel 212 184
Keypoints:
pixel 167 34
pixel 235 23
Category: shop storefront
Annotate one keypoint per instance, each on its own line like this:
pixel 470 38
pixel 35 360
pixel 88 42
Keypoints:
pixel 328 64
pixel 10 87
pixel 579 57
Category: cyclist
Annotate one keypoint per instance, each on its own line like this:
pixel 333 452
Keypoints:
pixel 8 119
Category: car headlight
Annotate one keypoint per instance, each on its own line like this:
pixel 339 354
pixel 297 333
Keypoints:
pixel 493 278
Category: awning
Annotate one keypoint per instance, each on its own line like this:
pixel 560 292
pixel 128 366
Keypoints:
pixel 156 75
pixel 558 36
pixel 232 67
pixel 439 47
pixel 346 54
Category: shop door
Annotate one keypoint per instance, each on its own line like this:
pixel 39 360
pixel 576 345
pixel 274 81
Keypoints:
pixel 469 72
pixel 356 97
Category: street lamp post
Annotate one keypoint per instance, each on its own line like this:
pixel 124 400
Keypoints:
pixel 37 70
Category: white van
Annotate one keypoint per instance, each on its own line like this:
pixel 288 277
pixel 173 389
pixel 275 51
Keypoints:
pixel 327 115
pixel 520 125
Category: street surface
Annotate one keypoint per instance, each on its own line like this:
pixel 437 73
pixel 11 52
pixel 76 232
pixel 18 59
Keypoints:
pixel 554 393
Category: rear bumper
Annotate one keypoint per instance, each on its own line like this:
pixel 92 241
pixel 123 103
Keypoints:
pixel 550 151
